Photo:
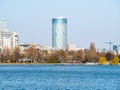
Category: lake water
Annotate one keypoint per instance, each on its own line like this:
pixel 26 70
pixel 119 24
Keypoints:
pixel 59 77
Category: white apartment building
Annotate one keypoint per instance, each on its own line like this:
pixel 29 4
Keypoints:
pixel 14 39
pixel 7 38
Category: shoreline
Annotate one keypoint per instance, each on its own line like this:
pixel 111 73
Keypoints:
pixel 54 64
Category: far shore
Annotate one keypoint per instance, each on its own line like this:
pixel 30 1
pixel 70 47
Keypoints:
pixel 52 64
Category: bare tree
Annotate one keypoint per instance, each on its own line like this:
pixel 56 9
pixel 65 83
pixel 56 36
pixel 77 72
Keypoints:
pixel 79 56
pixel 39 56
pixel 91 53
pixel 16 54
pixel 63 55
pixel 31 53
pixel 6 54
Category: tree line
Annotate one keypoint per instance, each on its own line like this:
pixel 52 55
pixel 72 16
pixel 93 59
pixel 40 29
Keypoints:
pixel 33 55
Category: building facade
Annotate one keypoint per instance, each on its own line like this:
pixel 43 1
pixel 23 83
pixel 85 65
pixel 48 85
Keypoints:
pixel 7 38
pixel 71 47
pixel 59 33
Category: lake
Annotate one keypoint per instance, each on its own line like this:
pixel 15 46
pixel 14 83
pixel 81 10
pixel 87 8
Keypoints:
pixel 59 77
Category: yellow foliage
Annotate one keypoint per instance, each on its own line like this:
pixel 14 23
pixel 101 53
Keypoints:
pixel 8 61
pixel 102 60
pixel 115 61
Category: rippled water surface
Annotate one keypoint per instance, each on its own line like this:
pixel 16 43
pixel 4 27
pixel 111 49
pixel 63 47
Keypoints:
pixel 59 77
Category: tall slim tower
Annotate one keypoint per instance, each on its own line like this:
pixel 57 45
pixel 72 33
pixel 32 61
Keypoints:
pixel 59 33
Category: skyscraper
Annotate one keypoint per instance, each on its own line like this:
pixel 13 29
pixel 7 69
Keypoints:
pixel 59 33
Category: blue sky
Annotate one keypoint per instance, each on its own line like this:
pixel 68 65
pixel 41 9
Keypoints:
pixel 95 21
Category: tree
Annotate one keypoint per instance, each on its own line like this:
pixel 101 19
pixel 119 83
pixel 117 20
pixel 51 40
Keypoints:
pixel 6 54
pixel 102 60
pixel 79 56
pixel 31 53
pixel 71 55
pixel 1 57
pixel 45 55
pixel 109 55
pixel 16 54
pixel 63 55
pixel 115 61
pixel 53 58
pixel 39 56
pixel 86 55
pixel 71 52
pixel 98 55
pixel 119 57
pixel 91 53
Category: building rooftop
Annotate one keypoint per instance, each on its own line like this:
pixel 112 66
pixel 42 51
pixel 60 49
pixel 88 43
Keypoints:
pixel 60 17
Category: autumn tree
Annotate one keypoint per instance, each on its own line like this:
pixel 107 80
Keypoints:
pixel 71 55
pixel 91 55
pixel 102 60
pixel 45 56
pixel 31 53
pixel 63 55
pixel 79 56
pixel 16 54
pixel 6 54
pixel 53 57
pixel 109 55
pixel 86 55
pixel 1 57
pixel 58 56
pixel 71 52
pixel 101 54
pixel 115 61
pixel 39 56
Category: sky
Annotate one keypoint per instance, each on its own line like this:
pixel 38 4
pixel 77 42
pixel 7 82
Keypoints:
pixel 89 21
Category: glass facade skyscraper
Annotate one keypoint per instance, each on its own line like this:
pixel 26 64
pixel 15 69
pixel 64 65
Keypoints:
pixel 59 33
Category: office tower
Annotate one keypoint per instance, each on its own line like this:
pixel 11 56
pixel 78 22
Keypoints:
pixel 59 33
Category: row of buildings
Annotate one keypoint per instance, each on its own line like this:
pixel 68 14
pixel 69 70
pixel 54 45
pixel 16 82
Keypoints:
pixel 59 36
